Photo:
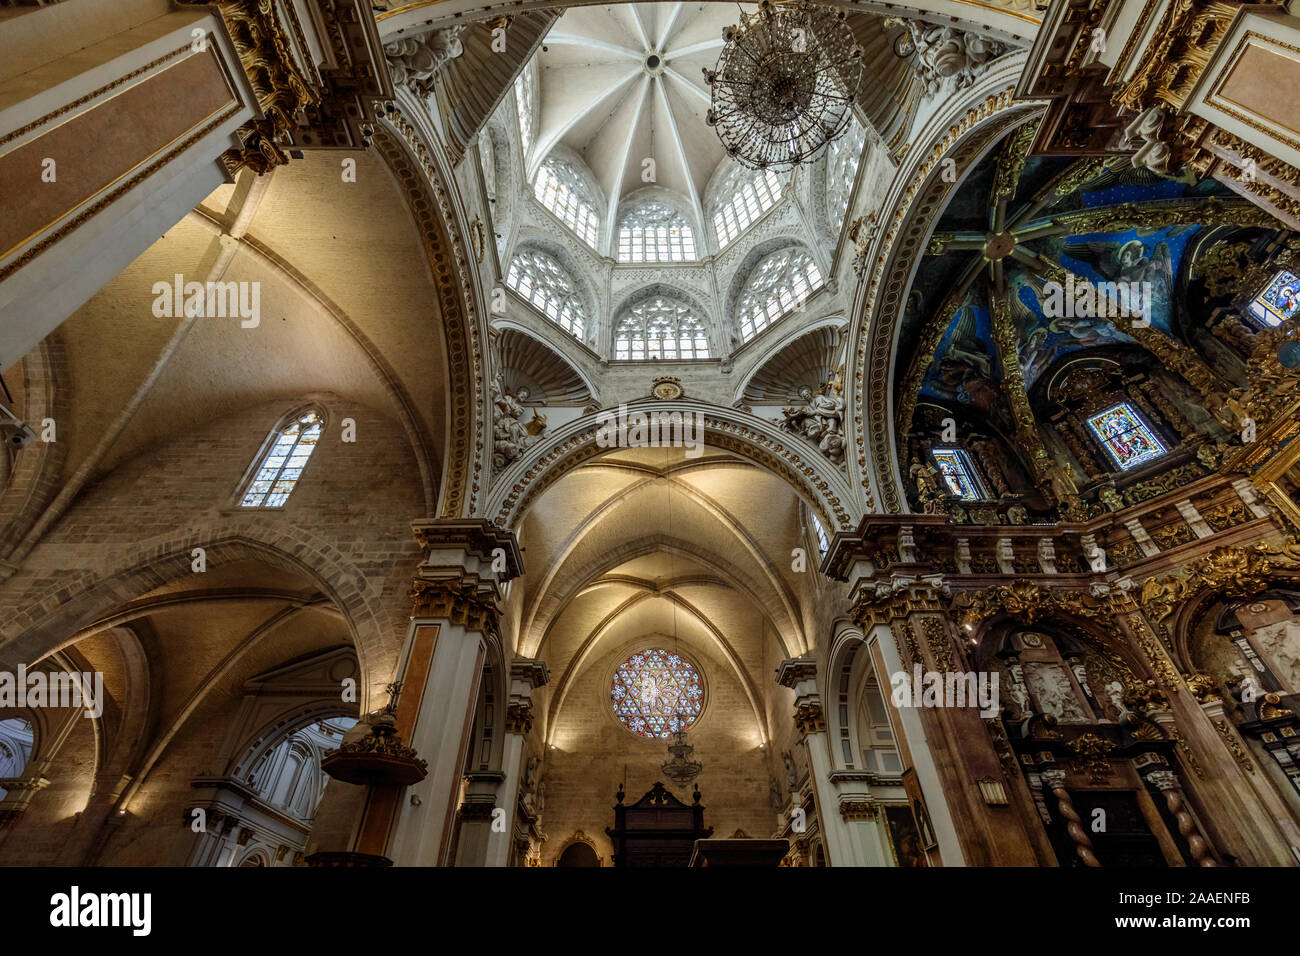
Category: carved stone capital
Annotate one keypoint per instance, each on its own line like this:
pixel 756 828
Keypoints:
pixel 466 601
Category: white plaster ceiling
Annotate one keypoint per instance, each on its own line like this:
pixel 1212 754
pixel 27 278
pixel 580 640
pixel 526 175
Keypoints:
pixel 601 99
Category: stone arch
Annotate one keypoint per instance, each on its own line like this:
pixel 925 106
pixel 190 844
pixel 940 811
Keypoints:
pixel 788 456
pixel 962 132
pixel 32 478
pixel 1193 604
pixel 58 615
pixel 420 170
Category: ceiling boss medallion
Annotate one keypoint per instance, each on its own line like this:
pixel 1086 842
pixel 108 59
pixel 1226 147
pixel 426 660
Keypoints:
pixel 784 83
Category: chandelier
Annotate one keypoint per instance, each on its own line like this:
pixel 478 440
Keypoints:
pixel 784 83
pixel 681 769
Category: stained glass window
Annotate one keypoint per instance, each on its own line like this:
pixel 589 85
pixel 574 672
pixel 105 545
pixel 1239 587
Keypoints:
pixel 1279 301
pixel 779 284
pixel 955 466
pixel 282 464
pixel 653 231
pixel 660 328
pixel 656 693
pixel 545 283
pixel 744 196
pixel 560 189
pixel 1127 438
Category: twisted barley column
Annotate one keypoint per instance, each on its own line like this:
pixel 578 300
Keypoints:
pixel 1167 783
pixel 1074 823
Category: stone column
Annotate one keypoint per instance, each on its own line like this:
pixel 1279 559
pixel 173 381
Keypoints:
pixel 951 746
pixel 487 837
pixel 800 675
pixel 454 626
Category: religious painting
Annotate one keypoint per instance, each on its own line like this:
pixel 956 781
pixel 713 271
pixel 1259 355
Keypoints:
pixel 1279 301
pixel 1044 338
pixel 1140 265
pixel 1126 437
pixel 965 367
pixel 905 837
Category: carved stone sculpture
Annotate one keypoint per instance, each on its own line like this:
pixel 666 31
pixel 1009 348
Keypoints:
pixel 820 419
pixel 509 433
pixel 942 54
pixel 415 60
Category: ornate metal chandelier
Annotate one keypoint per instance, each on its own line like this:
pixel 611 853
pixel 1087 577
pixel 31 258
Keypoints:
pixel 681 769
pixel 784 83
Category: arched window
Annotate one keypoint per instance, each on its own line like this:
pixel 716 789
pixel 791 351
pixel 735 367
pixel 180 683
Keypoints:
pixel 656 693
pixel 875 736
pixel 842 159
pixel 560 189
pixel 524 94
pixel 1279 301
pixel 653 231
pixel 777 285
pixel 547 285
pixel 958 473
pixel 742 197
pixel 660 328
pixel 1125 436
pixel 823 542
pixel 282 461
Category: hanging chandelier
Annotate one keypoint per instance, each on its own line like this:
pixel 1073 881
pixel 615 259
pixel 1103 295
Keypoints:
pixel 784 83
pixel 681 769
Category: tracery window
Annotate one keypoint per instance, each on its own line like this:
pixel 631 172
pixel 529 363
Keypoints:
pixel 547 285
pixel 660 328
pixel 779 284
pixel 524 107
pixel 745 196
pixel 282 462
pixel 842 159
pixel 1279 301
pixel 958 472
pixel 560 189
pixel 653 231
pixel 656 693
pixel 1129 440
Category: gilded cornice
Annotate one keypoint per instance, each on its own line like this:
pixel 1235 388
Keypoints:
pixel 1236 572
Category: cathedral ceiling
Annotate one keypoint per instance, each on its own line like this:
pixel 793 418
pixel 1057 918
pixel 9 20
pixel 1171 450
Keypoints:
pixel 648 542
pixel 1015 227
pixel 347 307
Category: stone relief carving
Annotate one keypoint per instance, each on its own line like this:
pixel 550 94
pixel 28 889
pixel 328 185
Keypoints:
pixel 820 419
pixel 944 54
pixel 413 61
pixel 1144 135
pixel 510 434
